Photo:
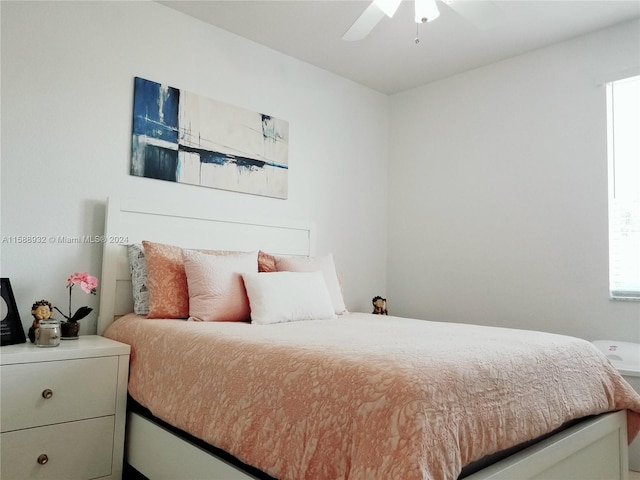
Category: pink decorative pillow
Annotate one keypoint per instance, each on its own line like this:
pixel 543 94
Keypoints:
pixel 167 281
pixel 216 288
pixel 310 264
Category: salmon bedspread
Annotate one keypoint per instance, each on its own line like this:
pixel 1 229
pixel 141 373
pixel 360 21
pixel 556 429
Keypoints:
pixel 366 396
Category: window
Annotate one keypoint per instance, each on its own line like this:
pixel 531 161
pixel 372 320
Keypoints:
pixel 623 119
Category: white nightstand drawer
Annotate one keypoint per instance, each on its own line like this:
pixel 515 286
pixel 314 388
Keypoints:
pixel 76 389
pixel 75 450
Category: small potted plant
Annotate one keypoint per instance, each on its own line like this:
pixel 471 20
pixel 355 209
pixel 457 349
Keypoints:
pixel 70 327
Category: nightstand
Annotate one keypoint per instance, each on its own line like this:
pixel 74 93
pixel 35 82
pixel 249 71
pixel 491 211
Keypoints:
pixel 62 409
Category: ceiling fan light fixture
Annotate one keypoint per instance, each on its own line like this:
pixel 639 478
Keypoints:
pixel 388 7
pixel 426 11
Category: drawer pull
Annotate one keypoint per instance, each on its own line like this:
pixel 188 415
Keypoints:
pixel 47 393
pixel 43 459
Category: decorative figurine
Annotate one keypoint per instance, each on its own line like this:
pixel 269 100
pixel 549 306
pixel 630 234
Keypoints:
pixel 379 305
pixel 41 310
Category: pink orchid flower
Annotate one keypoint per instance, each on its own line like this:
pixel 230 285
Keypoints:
pixel 89 284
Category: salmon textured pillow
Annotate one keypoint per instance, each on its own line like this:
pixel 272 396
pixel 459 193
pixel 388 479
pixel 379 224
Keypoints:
pixel 216 287
pixel 266 262
pixel 167 282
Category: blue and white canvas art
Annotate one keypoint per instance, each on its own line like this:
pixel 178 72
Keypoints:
pixel 182 137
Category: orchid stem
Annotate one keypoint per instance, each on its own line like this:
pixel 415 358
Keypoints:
pixel 70 289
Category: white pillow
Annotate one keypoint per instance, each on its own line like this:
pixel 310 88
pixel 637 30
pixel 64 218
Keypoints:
pixel 287 296
pixel 311 264
pixel 216 291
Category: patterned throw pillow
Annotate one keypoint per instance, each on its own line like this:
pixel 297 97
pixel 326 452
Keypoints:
pixel 139 280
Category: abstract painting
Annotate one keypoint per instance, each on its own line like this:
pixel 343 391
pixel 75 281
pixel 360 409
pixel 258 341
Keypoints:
pixel 182 137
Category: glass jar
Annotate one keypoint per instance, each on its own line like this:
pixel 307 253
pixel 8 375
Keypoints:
pixel 48 333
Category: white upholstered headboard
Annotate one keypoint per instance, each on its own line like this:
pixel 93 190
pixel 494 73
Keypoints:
pixel 129 221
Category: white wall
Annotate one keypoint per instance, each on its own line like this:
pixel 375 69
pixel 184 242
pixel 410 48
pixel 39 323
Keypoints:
pixel 67 87
pixel 498 193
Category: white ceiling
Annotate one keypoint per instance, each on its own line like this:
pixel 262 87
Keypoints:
pixel 388 59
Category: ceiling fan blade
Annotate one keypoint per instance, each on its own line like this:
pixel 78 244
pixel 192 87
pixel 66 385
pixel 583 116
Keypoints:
pixel 483 14
pixel 365 23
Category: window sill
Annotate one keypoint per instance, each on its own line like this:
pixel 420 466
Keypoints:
pixel 624 299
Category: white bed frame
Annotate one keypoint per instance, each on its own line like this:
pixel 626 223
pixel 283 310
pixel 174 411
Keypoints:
pixel 593 449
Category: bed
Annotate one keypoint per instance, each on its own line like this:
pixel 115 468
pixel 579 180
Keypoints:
pixel 377 424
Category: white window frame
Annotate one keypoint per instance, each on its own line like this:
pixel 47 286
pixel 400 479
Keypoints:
pixel 624 212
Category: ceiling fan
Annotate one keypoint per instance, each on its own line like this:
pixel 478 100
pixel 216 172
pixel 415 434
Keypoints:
pixel 483 14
